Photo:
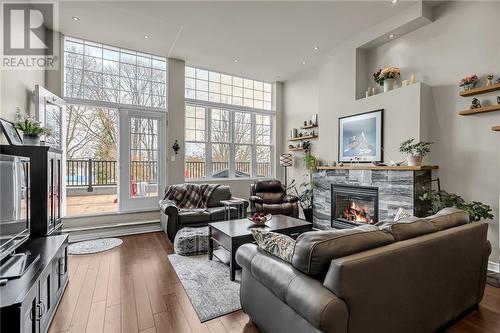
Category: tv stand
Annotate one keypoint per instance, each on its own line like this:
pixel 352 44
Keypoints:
pixel 17 264
pixel 28 303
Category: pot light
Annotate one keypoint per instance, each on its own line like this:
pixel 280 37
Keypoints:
pixel 391 36
pixel 146 37
pixel 304 62
pixel 394 1
pixel 235 60
pixel 316 48
pixel 74 18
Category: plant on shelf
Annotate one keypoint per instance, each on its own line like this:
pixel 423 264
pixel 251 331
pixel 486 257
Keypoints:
pixel 415 151
pixel 469 82
pixel 32 130
pixel 387 77
pixel 442 199
pixel 311 163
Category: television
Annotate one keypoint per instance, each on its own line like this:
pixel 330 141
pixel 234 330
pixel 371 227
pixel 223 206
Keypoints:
pixel 14 214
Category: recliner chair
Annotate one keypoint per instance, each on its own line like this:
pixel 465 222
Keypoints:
pixel 269 197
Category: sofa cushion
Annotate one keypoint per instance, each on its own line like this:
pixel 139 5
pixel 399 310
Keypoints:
pixel 277 209
pixel 222 192
pixel 274 243
pixel 193 216
pixel 407 228
pixel 271 197
pixel 315 250
pixel 448 218
pixel 217 213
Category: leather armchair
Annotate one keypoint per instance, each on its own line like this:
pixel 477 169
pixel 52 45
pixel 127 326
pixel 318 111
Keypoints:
pixel 269 197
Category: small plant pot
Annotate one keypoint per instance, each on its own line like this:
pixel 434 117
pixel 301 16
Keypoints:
pixel 389 84
pixel 414 160
pixel 31 140
pixel 308 214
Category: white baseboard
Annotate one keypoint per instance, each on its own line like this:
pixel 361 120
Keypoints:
pixel 114 230
pixel 494 266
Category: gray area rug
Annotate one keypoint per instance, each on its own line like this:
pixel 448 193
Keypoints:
pixel 94 246
pixel 207 285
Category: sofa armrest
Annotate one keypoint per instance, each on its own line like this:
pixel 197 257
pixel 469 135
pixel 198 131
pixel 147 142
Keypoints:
pixel 305 295
pixel 290 198
pixel 172 211
pixel 256 199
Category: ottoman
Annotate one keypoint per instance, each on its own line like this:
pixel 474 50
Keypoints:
pixel 191 241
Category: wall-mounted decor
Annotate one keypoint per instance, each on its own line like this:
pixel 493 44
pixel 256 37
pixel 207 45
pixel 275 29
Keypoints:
pixel 49 112
pixel 469 82
pixel 476 104
pixel 10 132
pixel 360 137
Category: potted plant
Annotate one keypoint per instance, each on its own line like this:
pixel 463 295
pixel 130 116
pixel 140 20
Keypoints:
pixel 387 77
pixel 31 131
pixel 306 195
pixel 469 82
pixel 415 151
pixel 442 199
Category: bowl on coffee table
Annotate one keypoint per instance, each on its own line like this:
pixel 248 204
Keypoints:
pixel 260 219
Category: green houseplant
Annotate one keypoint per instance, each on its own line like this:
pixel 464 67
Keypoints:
pixel 415 151
pixel 306 195
pixel 31 130
pixel 442 199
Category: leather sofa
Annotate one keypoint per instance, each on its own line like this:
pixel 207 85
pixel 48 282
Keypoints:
pixel 178 218
pixel 412 276
pixel 269 197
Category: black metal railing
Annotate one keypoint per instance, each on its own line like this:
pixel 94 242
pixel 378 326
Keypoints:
pixel 196 169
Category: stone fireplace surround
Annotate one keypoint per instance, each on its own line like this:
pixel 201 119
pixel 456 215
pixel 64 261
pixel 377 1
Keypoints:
pixel 397 189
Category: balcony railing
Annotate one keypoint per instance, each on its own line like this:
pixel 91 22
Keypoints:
pixel 197 169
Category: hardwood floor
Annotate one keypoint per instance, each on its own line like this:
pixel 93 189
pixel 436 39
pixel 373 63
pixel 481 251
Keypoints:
pixel 134 288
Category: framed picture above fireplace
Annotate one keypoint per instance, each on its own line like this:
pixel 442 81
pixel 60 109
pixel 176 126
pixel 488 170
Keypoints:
pixel 360 137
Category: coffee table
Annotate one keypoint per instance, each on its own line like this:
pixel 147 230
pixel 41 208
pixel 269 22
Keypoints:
pixel 230 235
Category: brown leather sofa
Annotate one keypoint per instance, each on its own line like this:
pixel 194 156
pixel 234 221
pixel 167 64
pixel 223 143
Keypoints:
pixel 411 276
pixel 269 197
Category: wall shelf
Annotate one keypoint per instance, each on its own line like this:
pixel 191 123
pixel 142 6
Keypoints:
pixel 295 149
pixel 379 167
pixel 308 126
pixel 480 90
pixel 309 137
pixel 489 108
pixel 496 128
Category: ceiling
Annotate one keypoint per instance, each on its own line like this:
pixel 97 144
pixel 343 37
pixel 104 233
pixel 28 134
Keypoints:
pixel 259 39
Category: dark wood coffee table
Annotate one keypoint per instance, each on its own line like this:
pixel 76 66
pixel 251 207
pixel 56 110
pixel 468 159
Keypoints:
pixel 230 235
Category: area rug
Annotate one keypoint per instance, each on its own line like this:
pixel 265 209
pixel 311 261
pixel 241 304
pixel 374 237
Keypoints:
pixel 94 246
pixel 207 285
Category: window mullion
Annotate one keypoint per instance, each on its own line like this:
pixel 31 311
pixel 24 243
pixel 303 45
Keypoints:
pixel 232 147
pixel 208 140
pixel 254 151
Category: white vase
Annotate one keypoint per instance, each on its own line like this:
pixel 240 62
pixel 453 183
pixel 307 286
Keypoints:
pixel 389 84
pixel 414 160
pixel 31 140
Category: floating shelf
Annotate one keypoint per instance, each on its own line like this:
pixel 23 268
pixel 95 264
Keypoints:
pixel 480 90
pixel 480 110
pixel 308 126
pixel 496 128
pixel 309 137
pixel 295 149
pixel 379 167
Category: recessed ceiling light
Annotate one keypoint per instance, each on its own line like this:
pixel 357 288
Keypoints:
pixel 235 60
pixel 74 18
pixel 304 62
pixel 316 48
pixel 146 37
pixel 391 36
pixel 394 1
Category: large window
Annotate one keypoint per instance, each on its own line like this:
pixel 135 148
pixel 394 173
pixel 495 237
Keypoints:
pixel 203 85
pixel 100 72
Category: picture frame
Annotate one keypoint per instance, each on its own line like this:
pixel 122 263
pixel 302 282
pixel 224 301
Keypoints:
pixel 360 137
pixel 10 132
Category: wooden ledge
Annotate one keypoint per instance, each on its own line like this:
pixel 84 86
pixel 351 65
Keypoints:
pixel 380 167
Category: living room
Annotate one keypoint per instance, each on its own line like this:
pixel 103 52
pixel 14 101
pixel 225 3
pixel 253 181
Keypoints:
pixel 147 143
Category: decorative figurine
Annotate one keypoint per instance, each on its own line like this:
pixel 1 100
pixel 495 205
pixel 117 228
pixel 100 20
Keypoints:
pixel 176 147
pixel 305 123
pixel 498 99
pixel 498 79
pixel 476 104
pixel 489 81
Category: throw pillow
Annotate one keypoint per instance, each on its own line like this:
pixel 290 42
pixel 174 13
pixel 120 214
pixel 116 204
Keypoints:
pixel 274 243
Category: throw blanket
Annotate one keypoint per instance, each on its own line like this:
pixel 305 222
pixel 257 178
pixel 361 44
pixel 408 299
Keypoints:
pixel 190 195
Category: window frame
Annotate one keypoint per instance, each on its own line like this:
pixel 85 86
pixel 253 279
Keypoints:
pixel 209 106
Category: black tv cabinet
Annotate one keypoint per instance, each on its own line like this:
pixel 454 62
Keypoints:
pixel 28 303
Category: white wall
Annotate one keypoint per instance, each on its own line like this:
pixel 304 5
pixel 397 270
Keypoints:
pixel 440 53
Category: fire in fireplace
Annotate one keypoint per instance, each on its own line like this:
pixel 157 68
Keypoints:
pixel 354 205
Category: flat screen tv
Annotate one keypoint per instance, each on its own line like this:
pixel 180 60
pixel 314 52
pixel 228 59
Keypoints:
pixel 14 203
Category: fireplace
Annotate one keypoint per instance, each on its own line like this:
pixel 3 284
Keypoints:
pixel 353 205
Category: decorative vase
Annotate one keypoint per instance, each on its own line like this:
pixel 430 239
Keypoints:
pixel 414 160
pixel 469 86
pixel 308 214
pixel 389 84
pixel 31 140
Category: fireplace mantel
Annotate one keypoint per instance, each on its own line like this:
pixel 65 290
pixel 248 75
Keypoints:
pixel 379 167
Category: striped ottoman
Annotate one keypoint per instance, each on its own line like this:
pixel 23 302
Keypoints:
pixel 191 241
